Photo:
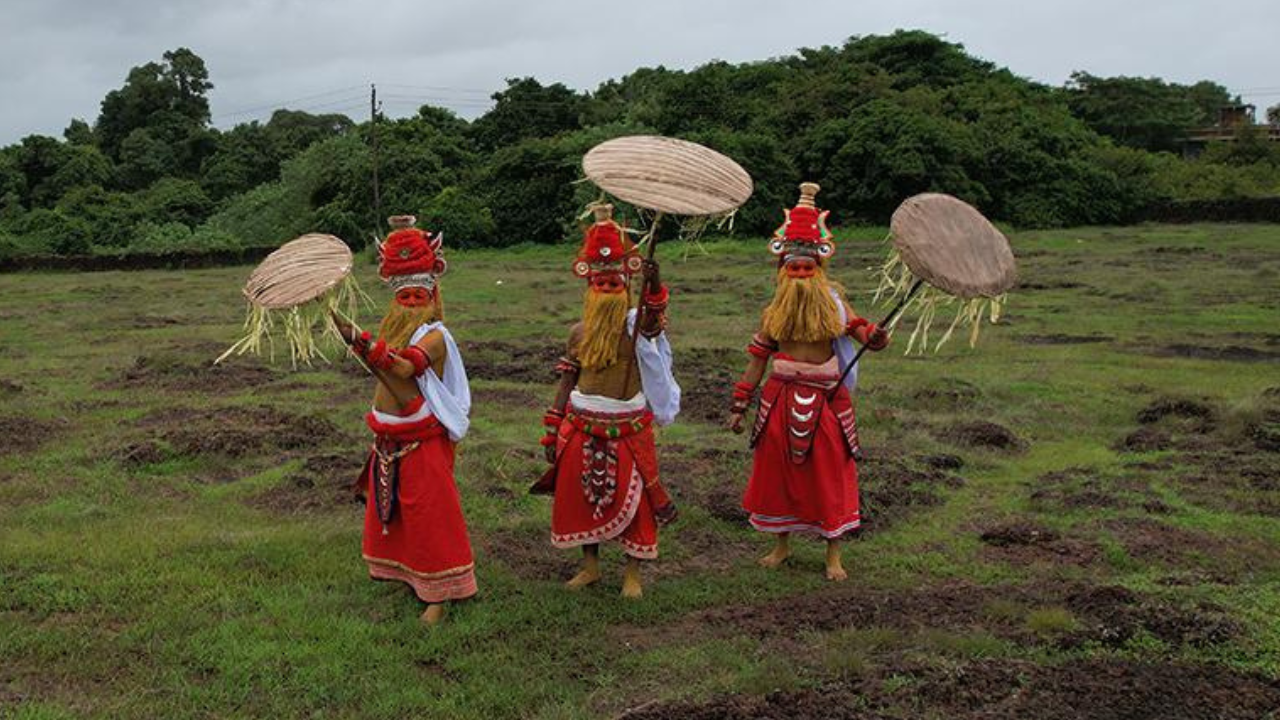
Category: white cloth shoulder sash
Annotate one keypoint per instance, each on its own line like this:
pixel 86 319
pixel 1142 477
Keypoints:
pixel 843 345
pixel 656 379
pixel 448 398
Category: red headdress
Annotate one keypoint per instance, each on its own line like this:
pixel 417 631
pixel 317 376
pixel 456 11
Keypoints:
pixel 804 231
pixel 605 248
pixel 411 257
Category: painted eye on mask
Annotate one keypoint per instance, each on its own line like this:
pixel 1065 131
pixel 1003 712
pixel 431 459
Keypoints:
pixel 826 250
pixel 777 247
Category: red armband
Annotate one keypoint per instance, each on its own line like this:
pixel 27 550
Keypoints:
pixel 854 324
pixel 418 357
pixel 743 390
pixel 762 348
pixel 547 440
pixel 552 418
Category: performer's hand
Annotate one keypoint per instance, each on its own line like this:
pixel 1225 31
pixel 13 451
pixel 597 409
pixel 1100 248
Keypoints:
pixel 877 338
pixel 345 329
pixel 735 422
pixel 549 451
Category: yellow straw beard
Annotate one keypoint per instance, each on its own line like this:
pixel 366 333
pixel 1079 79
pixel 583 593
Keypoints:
pixel 604 317
pixel 401 322
pixel 802 310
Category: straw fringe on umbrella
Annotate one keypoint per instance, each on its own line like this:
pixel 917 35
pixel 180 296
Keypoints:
pixel 297 288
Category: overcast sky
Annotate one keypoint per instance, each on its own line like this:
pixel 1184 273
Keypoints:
pixel 59 57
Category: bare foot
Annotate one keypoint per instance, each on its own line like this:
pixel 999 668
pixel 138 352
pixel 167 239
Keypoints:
pixel 781 551
pixel 631 581
pixel 835 568
pixel 433 614
pixel 586 576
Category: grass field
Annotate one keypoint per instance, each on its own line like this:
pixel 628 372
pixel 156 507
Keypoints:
pixel 1078 518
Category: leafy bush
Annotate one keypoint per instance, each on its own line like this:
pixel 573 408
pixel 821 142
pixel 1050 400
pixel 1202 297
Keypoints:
pixel 464 219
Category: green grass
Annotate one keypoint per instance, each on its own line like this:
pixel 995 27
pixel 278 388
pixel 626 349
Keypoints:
pixel 169 589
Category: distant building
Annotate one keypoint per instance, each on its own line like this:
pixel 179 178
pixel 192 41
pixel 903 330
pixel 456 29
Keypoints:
pixel 1230 119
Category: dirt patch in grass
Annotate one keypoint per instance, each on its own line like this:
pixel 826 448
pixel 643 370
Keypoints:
pixel 896 487
pixel 1078 488
pixel 179 372
pixel 528 554
pixel 1113 616
pixel 1231 353
pixel 22 433
pixel 1081 614
pixel 9 387
pixel 1162 408
pixel 1063 339
pixel 699 549
pixel 150 322
pixel 325 480
pixel 509 398
pixel 949 393
pixel 1225 460
pixel 1050 285
pixel 983 434
pixel 711 478
pixel 1216 558
pixel 706 377
pixel 1023 543
pixel 233 432
pixel 531 361
pixel 1002 689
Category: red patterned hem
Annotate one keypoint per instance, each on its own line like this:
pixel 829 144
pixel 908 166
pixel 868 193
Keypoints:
pixel 453 584
pixel 638 551
pixel 611 529
pixel 790 523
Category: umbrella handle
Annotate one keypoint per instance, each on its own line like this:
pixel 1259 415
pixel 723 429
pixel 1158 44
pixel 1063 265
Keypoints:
pixel 884 323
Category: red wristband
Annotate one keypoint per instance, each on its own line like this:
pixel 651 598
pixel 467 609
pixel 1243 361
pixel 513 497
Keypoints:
pixel 658 299
pixel 854 324
pixel 380 356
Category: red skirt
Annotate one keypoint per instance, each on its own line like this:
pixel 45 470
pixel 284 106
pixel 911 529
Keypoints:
pixel 604 463
pixel 425 543
pixel 803 475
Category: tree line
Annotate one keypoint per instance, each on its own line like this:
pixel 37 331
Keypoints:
pixel 874 120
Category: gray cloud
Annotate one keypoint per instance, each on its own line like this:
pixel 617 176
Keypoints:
pixel 58 58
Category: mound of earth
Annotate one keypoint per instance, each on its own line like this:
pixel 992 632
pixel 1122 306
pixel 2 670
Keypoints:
pixel 531 361
pixel 983 434
pixel 238 431
pixel 22 433
pixel 176 372
pixel 894 487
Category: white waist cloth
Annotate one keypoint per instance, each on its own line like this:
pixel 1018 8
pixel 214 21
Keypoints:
pixel 448 398
pixel 607 405
pixel 389 419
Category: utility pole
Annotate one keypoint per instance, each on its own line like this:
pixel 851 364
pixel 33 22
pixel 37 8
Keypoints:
pixel 373 137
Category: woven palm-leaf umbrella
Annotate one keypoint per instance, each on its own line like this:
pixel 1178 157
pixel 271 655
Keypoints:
pixel 669 177
pixel 961 259
pixel 296 289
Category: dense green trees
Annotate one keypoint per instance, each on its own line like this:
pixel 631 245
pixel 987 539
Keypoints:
pixel 873 120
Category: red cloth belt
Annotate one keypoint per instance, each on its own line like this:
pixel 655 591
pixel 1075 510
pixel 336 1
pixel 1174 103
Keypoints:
pixel 610 425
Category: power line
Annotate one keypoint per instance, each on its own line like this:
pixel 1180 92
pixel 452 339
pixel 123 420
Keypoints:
pixel 277 104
